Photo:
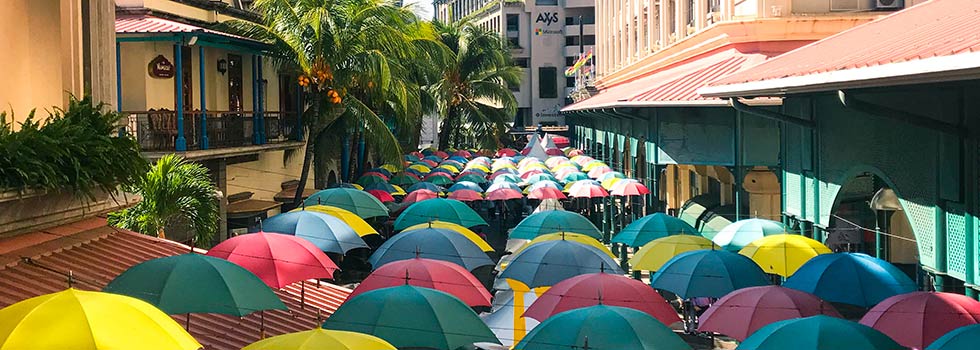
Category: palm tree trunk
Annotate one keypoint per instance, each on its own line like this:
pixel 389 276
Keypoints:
pixel 445 130
pixel 307 159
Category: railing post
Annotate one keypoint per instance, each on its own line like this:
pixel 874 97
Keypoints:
pixel 204 103
pixel 261 110
pixel 181 143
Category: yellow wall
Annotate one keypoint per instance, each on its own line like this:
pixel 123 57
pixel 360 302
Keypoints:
pixel 264 176
pixel 33 55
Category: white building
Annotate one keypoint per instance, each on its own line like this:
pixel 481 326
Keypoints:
pixel 545 40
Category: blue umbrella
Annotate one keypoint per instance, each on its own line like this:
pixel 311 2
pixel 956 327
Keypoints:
pixel 381 170
pixel 425 186
pixel 383 186
pixel 850 278
pixel 739 234
pixel 416 172
pixel 818 333
pixel 572 177
pixel 602 327
pixel 431 243
pixel 500 185
pixel 465 185
pixel 549 262
pixel 458 159
pixel 540 177
pixel 963 338
pixel 651 227
pixel 433 158
pixel 708 273
pixel 551 221
pixel 326 232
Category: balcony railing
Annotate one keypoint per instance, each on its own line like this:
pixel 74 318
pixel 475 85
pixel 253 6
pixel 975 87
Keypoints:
pixel 157 131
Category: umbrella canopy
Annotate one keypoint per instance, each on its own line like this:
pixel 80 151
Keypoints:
pixel 506 152
pixel 707 273
pixel 652 256
pixel 541 184
pixel 503 194
pixel 610 175
pixel 585 189
pixel 439 180
pixel 383 186
pixel 81 320
pixel 355 201
pixel 425 186
pixel 739 234
pixel 419 195
pixel 744 311
pixel 574 237
pixel 629 188
pixel 818 333
pixel 474 178
pixel 605 289
pixel 465 185
pixel 554 221
pixel 575 176
pixel 391 168
pixel 371 179
pixel 597 171
pixel 918 319
pixel 500 177
pixel 850 278
pixel 404 179
pixel 428 273
pixel 540 177
pixel 465 195
pixel 651 227
pixel 433 243
pixel 326 232
pixel 441 209
pixel 550 262
pixel 381 195
pixel 361 227
pixel 279 260
pixel 412 317
pixel 962 338
pixel 195 283
pixel 783 254
pixel 546 193
pixel 320 338
pixel 602 327
pixel 503 185
pixel 469 234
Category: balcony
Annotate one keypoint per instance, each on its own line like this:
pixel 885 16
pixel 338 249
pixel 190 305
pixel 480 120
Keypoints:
pixel 572 29
pixel 158 131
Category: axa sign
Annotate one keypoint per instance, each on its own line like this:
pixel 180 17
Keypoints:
pixel 547 18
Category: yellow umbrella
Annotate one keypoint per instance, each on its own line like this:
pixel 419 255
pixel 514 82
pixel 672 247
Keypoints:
pixel 358 187
pixel 593 165
pixel 420 167
pixel 355 222
pixel 321 339
pixel 469 234
pixel 568 187
pixel 450 167
pixel 480 167
pixel 568 236
pixel 608 183
pixel 82 320
pixel 504 166
pixel 398 191
pixel 783 254
pixel 653 255
pixel 390 167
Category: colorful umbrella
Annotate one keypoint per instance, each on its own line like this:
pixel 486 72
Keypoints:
pixel 783 254
pixel 739 234
pixel 503 185
pixel 419 195
pixel 425 186
pixel 850 278
pixel 576 176
pixel 368 180
pixel 602 327
pixel 602 288
pixel 411 317
pixel 506 152
pixel 554 221
pixel 428 273
pixel 469 234
pixel 383 186
pixel 570 236
pixel 474 178
pixel 432 243
pixel 917 319
pixel 653 255
pixel 744 311
pixel 440 209
pixel 550 262
pixel 651 227
pixel 629 188
pixel 381 195
pixel 583 189
pixel 359 225
pixel 546 193
pixel 422 168
pixel 404 179
pixel 511 178
pixel 707 273
pixel 542 184
pixel 390 167
pixel 818 333
pixel 503 194
pixel 358 202
pixel 596 172
pixel 963 338
pixel 438 179
pixel 610 175
pixel 506 318
pixel 540 177
pixel 279 260
pixel 326 232
pixel 319 339
pixel 466 195
pixel 465 185
pixel 81 320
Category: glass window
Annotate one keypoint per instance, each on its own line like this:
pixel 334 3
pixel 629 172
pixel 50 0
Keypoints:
pixel 570 61
pixel 513 23
pixel 569 81
pixel 547 82
pixel 521 62
pixel 588 40
pixel 546 2
pixel 514 42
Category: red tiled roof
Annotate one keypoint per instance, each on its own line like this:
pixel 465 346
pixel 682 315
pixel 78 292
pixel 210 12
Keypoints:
pixel 144 24
pixel 908 42
pixel 96 253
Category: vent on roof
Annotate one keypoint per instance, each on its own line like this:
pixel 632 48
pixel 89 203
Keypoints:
pixel 888 4
pixel 844 5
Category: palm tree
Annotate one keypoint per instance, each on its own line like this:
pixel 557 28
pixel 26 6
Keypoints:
pixel 473 93
pixel 173 192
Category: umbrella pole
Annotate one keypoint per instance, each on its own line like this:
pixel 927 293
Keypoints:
pixel 188 324
pixel 302 295
pixel 262 324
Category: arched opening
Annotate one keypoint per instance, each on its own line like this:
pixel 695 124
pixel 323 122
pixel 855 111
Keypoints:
pixel 331 178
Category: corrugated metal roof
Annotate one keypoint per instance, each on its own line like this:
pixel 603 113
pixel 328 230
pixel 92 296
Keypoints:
pixel 144 24
pixel 936 28
pixel 96 253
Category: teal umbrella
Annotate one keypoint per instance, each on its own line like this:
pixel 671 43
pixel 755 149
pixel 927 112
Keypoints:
pixel 551 221
pixel 431 243
pixel 195 283
pixel 412 317
pixel 474 178
pixel 355 201
pixel 507 178
pixel 818 333
pixel 576 176
pixel 708 273
pixel 370 179
pixel 403 180
pixel 651 227
pixel 739 234
pixel 963 338
pixel 438 209
pixel 326 232
pixel 602 327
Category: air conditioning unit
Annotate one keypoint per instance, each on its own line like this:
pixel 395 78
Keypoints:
pixel 889 4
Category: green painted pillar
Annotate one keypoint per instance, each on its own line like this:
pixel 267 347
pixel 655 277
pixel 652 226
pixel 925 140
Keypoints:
pixel 939 282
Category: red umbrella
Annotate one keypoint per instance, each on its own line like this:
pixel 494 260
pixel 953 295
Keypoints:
pixel 430 163
pixel 436 274
pixel 575 152
pixel 506 152
pixel 466 195
pixel 742 312
pixel 439 173
pixel 587 190
pixel 917 319
pixel 441 154
pixel 561 141
pixel 528 173
pixel 419 195
pixel 554 152
pixel 628 188
pixel 278 259
pixel 546 193
pixel 503 194
pixel 463 153
pixel 382 196
pixel 601 288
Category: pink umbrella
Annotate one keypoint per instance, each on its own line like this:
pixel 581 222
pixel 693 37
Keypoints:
pixel 436 274
pixel 506 152
pixel 627 188
pixel 375 173
pixel 596 172
pixel 278 259
pixel 463 153
pixel 917 319
pixel 438 174
pixel 466 195
pixel 528 173
pixel 419 195
pixel 546 193
pixel 742 312
pixel 575 152
pixel 382 196
pixel 503 194
pixel 602 288
pixel 441 154
pixel 430 163
pixel 554 152
pixel 585 189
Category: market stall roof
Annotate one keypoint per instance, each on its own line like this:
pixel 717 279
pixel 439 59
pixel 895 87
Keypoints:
pixel 931 42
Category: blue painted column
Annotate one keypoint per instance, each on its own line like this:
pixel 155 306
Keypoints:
pixel 345 159
pixel 738 166
pixel 360 152
pixel 261 101
pixel 299 112
pixel 181 143
pixel 255 101
pixel 204 99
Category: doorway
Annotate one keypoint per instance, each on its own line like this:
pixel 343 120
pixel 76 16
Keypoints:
pixel 235 102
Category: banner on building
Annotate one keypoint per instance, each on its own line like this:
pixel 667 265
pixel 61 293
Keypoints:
pixel 582 60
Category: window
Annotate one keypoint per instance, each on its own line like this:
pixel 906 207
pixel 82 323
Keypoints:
pixel 513 23
pixel 546 2
pixel 571 20
pixel 588 40
pixel 571 40
pixel 547 82
pixel 514 42
pixel 570 61
pixel 521 62
pixel 570 82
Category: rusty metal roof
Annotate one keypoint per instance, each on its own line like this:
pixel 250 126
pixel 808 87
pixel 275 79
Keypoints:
pixel 146 24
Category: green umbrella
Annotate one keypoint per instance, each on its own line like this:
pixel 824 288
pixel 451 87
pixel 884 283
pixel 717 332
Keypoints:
pixel 575 177
pixel 439 180
pixel 412 317
pixel 474 178
pixel 602 327
pixel 370 180
pixel 651 227
pixel 551 221
pixel 818 333
pixel 195 283
pixel 403 180
pixel 438 209
pixel 356 201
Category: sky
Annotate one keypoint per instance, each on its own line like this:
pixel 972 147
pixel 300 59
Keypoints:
pixel 423 8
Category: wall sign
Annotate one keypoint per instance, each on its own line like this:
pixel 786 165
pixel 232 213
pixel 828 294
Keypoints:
pixel 160 67
pixel 547 18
